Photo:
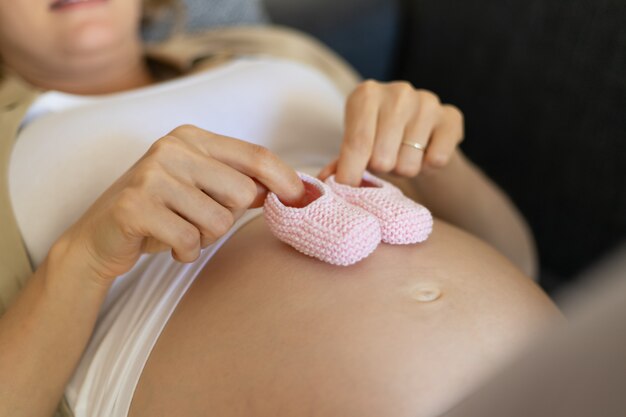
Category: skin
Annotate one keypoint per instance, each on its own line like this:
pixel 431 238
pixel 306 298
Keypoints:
pixel 285 335
pixel 90 50
pixel 380 117
pixel 191 185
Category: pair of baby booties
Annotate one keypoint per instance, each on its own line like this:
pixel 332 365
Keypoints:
pixel 342 224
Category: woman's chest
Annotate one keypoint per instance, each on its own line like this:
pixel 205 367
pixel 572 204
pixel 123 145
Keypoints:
pixel 64 160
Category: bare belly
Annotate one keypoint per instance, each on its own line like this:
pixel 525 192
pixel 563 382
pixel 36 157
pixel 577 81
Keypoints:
pixel 265 331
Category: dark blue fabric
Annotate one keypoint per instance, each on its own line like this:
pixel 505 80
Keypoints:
pixel 203 14
pixel 365 32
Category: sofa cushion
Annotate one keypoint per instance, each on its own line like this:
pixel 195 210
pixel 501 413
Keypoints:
pixel 203 14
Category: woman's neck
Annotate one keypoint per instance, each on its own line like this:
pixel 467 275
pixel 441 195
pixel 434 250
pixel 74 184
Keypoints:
pixel 100 74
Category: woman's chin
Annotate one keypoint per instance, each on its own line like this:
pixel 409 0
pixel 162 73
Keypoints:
pixel 92 39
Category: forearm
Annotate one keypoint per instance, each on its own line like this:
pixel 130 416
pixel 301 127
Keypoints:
pixel 462 195
pixel 43 335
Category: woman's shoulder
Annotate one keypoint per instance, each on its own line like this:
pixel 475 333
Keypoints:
pixel 15 98
pixel 15 92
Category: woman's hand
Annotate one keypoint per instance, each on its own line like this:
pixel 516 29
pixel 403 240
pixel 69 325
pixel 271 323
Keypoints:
pixel 183 194
pixel 395 128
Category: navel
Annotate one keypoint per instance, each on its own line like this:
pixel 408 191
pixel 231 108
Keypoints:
pixel 426 293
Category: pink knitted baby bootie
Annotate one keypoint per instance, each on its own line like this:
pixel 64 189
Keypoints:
pixel 402 220
pixel 325 227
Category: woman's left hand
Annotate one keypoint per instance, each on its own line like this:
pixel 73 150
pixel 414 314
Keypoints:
pixel 395 128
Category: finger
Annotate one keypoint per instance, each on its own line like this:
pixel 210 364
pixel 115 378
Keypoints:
pixel 418 131
pixel 211 218
pixel 392 120
pixel 445 138
pixel 161 224
pixel 225 185
pixel 328 170
pixel 360 132
pixel 252 160
pixel 266 168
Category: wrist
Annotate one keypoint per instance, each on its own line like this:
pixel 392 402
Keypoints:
pixel 69 261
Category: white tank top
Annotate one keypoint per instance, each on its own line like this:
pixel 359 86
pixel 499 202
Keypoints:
pixel 72 148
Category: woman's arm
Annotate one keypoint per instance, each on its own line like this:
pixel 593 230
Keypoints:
pixel 44 333
pixel 462 195
pixel 182 195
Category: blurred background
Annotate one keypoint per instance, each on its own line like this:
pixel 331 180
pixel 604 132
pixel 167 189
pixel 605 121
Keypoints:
pixel 542 84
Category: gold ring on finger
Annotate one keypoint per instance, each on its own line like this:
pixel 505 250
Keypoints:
pixel 414 145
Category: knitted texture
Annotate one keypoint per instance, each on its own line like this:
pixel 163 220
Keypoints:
pixel 328 228
pixel 402 220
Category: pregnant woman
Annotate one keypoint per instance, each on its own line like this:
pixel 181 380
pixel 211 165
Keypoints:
pixel 157 288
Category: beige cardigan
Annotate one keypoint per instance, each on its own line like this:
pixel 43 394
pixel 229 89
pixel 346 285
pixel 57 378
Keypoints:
pixel 188 53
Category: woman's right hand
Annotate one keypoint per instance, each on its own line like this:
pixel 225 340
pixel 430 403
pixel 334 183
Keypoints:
pixel 182 195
